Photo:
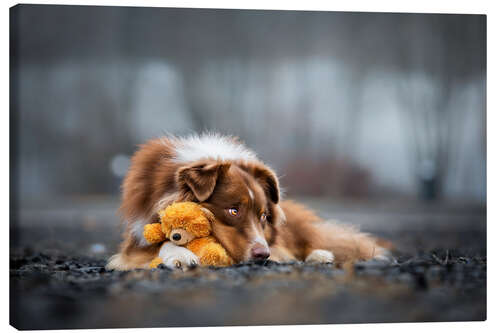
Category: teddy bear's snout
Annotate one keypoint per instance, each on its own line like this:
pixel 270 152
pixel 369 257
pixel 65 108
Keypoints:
pixel 181 236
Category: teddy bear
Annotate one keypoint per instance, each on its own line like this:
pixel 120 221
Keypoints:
pixel 188 224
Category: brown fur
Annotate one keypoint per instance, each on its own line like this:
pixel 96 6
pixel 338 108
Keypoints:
pixel 305 232
pixel 292 232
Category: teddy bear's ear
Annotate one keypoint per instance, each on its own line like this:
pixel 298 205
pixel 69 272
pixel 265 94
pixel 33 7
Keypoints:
pixel 201 178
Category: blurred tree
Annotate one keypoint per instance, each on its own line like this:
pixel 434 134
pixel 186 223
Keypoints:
pixel 436 68
pixel 289 83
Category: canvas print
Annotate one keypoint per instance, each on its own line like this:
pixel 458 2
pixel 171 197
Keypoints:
pixel 211 167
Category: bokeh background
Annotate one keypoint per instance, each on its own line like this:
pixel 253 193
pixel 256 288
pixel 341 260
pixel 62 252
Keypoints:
pixel 341 104
pixel 374 119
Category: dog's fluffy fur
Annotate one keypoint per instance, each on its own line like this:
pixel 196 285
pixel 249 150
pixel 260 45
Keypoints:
pixel 242 192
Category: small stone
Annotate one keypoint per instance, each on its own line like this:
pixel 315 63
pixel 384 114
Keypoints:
pixel 372 264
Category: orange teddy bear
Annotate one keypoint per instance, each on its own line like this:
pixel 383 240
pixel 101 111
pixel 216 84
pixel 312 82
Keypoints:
pixel 188 224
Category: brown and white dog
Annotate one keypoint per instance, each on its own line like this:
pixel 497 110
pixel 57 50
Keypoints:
pixel 225 177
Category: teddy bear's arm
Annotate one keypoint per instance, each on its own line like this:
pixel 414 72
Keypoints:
pixel 210 252
pixel 153 233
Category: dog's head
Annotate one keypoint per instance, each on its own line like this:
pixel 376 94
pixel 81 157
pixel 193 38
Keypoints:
pixel 243 196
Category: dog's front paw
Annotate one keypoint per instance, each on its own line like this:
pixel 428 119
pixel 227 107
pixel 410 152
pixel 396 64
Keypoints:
pixel 177 257
pixel 321 256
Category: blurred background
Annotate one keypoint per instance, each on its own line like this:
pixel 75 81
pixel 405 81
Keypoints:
pixel 344 104
pixel 355 109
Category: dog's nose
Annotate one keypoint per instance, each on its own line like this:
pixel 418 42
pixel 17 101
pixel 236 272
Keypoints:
pixel 176 237
pixel 259 252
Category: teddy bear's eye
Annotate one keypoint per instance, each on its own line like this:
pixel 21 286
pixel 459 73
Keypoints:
pixel 233 211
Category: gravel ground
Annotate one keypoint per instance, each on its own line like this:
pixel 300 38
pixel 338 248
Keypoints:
pixel 58 280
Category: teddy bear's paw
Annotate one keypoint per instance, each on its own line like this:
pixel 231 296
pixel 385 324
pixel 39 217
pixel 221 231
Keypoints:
pixel 177 257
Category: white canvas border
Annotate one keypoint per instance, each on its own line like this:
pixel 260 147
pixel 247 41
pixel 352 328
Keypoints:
pixel 423 6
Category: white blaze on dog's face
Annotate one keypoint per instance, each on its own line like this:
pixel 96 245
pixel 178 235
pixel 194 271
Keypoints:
pixel 243 196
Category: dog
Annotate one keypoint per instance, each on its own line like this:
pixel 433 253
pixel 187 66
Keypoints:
pixel 252 221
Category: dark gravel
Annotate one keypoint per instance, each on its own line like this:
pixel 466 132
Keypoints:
pixel 52 291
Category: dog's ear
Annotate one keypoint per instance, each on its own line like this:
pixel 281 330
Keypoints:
pixel 201 178
pixel 269 182
pixel 267 179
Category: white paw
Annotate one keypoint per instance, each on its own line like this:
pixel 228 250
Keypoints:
pixel 177 257
pixel 321 256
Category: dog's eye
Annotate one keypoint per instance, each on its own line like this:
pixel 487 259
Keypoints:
pixel 233 211
pixel 263 217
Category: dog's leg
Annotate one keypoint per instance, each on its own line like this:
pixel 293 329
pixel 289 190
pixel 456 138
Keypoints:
pixel 120 262
pixel 280 254
pixel 321 256
pixel 132 256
